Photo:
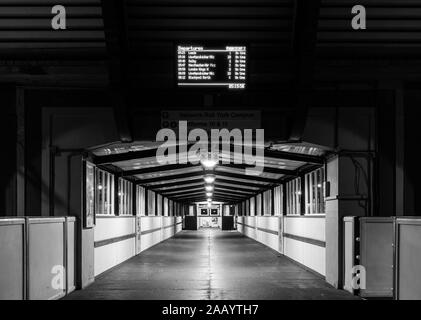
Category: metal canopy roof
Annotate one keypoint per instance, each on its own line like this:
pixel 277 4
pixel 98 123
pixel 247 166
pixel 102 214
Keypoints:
pixel 185 182
pixel 271 29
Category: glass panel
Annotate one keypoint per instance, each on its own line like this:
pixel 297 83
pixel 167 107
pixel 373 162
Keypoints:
pixel 90 195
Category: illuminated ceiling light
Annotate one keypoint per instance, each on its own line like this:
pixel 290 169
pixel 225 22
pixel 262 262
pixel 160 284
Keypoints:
pixel 209 199
pixel 209 194
pixel 209 163
pixel 319 185
pixel 298 193
pixel 209 160
pixel 99 187
pixel 209 179
pixel 209 188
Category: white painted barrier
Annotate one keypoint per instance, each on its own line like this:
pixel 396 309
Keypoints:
pixel 301 238
pixel 267 231
pixel 115 241
pixel 158 228
pixel 119 238
pixel 50 263
pixel 408 258
pixel 304 241
pixel 12 259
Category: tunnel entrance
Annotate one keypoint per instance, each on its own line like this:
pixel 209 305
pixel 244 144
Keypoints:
pixel 131 201
pixel 220 189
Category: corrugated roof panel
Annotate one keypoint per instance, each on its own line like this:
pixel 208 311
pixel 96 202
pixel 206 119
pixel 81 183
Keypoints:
pixel 26 24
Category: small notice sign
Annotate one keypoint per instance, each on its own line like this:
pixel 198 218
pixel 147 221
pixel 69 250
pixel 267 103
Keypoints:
pixel 207 120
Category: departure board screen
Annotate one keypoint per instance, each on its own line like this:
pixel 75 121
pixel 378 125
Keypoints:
pixel 212 67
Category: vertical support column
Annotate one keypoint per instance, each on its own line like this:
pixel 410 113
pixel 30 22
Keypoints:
pixel 400 153
pixel 116 195
pixel 85 236
pixel 341 202
pixel 20 152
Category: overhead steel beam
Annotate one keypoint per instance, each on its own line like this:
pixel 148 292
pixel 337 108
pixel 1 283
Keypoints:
pixel 233 191
pixel 202 191
pixel 218 174
pixel 151 153
pixel 179 189
pixel 216 190
pixel 234 186
pixel 159 168
pixel 180 192
pixel 119 157
pixel 203 199
pixel 245 177
pixel 265 168
pixel 280 155
pixel 216 194
pixel 242 183
pixel 227 201
pixel 177 185
pixel 187 166
pixel 199 181
pixel 292 156
pixel 127 156
pixel 171 177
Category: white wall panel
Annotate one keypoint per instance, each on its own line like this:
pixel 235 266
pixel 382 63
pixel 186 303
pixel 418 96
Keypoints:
pixel 309 255
pixel 45 238
pixel 107 228
pixel 12 263
pixel 266 229
pixel 107 257
pixel 308 227
pixel 153 230
pixel 307 246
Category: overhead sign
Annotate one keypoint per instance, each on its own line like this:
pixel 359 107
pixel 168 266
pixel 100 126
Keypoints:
pixel 212 119
pixel 199 66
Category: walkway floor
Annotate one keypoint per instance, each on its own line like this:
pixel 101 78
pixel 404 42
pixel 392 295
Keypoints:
pixel 209 264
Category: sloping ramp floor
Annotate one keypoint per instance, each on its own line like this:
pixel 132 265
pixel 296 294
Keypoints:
pixel 209 264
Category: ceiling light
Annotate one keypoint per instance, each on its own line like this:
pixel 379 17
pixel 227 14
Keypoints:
pixel 209 188
pixel 209 163
pixel 209 179
pixel 209 160
pixel 209 194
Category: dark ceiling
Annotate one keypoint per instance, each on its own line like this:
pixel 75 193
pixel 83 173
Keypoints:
pixel 143 33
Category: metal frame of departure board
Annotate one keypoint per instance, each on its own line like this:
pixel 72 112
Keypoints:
pixel 210 89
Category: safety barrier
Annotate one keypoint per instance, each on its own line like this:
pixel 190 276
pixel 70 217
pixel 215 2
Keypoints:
pixel 408 259
pixel 114 241
pixel 351 251
pixel 12 259
pixel 37 257
pixel 119 238
pixel 300 238
pixel 304 241
pixel 382 257
pixel 376 255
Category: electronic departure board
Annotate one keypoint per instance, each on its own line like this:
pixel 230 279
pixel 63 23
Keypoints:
pixel 211 67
